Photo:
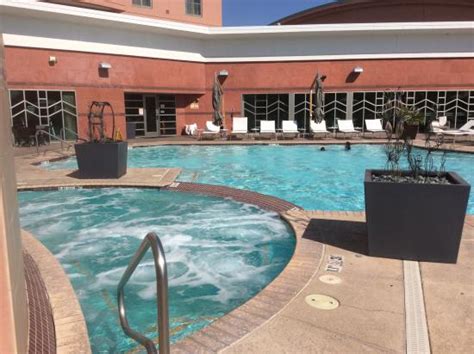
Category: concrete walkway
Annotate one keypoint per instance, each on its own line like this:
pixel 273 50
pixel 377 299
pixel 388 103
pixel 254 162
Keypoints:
pixel 371 316
pixel 29 175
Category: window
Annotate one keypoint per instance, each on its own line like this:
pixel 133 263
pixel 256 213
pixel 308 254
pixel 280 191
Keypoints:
pixel 458 106
pixel 142 3
pixel 265 107
pixel 55 109
pixel 193 7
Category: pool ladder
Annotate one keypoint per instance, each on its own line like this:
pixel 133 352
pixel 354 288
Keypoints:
pixel 152 241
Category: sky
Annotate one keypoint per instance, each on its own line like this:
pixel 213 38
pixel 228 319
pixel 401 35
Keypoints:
pixel 262 12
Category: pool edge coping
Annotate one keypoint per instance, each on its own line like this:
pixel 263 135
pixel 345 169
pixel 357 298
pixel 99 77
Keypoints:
pixel 69 322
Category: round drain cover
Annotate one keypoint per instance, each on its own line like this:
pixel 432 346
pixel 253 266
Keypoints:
pixel 322 302
pixel 330 279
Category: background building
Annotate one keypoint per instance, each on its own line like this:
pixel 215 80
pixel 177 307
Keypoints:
pixel 360 11
pixel 202 12
pixel 161 73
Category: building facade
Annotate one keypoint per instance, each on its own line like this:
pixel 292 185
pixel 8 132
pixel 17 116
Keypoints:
pixel 200 12
pixel 159 74
pixel 365 11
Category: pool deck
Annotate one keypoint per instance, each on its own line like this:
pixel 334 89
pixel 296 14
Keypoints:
pixel 372 316
pixel 377 309
pixel 32 176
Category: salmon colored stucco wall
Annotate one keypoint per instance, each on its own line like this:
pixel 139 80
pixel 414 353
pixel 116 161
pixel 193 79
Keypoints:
pixel 285 77
pixel 29 68
pixel 173 10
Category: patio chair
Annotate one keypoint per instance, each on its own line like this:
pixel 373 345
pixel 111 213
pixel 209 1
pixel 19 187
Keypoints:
pixel 239 126
pixel 438 126
pixel 346 126
pixel 467 130
pixel 267 128
pixel 289 129
pixel 374 126
pixel 191 129
pixel 24 136
pixel 318 128
pixel 211 131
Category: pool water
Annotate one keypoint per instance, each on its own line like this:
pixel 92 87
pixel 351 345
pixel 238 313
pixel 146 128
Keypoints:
pixel 303 175
pixel 220 253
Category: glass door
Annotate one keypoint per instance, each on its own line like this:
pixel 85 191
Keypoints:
pixel 151 127
pixel 166 114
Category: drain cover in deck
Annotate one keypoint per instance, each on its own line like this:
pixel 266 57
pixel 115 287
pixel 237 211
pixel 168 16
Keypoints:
pixel 330 279
pixel 322 302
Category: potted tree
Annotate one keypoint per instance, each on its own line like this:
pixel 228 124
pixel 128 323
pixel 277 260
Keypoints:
pixel 411 119
pixel 417 212
pixel 101 156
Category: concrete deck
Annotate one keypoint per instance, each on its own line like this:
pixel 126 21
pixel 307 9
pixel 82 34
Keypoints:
pixel 29 175
pixel 371 316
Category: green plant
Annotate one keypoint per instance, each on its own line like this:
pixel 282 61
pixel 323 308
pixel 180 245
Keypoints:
pixel 410 115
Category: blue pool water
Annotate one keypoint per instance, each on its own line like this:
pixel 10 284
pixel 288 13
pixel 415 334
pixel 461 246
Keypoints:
pixel 303 175
pixel 219 252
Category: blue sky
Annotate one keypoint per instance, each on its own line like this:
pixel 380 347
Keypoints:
pixel 262 12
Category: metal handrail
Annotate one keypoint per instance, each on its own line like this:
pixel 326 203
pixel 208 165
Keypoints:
pixel 62 134
pixel 51 136
pixel 151 241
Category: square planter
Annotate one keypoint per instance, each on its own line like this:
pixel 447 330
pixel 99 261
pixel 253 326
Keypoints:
pixel 422 222
pixel 409 131
pixel 102 160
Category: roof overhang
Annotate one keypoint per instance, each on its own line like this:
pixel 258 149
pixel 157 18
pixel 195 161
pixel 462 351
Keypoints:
pixel 53 26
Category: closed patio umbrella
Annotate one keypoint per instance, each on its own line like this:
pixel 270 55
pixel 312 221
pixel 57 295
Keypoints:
pixel 318 112
pixel 217 93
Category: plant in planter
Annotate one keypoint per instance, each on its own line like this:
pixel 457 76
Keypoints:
pixel 396 111
pixel 101 157
pixel 411 118
pixel 416 212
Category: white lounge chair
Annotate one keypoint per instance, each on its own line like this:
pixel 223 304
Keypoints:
pixel 346 126
pixel 267 127
pixel 211 130
pixel 374 126
pixel 239 126
pixel 318 128
pixel 191 129
pixel 466 130
pixel 289 128
pixel 439 125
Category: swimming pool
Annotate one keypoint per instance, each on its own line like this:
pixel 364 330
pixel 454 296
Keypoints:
pixel 220 253
pixel 303 175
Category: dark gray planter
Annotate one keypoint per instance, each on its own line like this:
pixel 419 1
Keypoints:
pixel 422 222
pixel 102 160
pixel 409 131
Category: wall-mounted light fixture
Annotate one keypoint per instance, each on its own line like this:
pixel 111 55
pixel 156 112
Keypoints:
pixel 105 66
pixel 223 73
pixel 52 60
pixel 358 70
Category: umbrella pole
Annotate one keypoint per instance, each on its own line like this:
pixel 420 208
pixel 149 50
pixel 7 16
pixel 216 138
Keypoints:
pixel 311 104
pixel 223 111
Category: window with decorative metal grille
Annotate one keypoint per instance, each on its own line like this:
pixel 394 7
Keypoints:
pixel 194 7
pixel 142 3
pixel 457 106
pixel 55 110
